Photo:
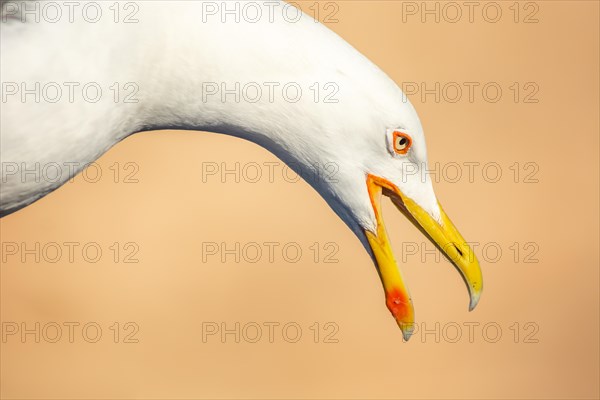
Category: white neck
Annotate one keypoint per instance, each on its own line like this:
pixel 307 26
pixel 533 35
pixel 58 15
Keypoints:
pixel 174 57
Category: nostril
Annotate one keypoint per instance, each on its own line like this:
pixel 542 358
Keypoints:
pixel 458 249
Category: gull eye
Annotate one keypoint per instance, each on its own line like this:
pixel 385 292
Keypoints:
pixel 402 142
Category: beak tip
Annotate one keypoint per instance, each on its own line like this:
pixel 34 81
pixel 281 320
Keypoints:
pixel 407 332
pixel 474 300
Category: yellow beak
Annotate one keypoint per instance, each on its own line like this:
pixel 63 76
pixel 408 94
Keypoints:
pixel 443 234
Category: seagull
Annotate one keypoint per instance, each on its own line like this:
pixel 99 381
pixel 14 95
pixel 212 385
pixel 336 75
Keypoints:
pixel 79 78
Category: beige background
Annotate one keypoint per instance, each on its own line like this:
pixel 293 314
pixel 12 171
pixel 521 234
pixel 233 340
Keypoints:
pixel 170 212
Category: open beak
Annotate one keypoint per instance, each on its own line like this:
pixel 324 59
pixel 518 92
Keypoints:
pixel 443 234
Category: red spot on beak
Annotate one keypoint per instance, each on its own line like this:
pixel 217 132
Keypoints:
pixel 398 304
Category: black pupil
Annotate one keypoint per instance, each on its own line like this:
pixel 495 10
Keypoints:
pixel 402 141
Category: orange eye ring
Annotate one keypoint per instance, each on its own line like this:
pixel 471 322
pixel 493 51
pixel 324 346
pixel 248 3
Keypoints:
pixel 401 142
